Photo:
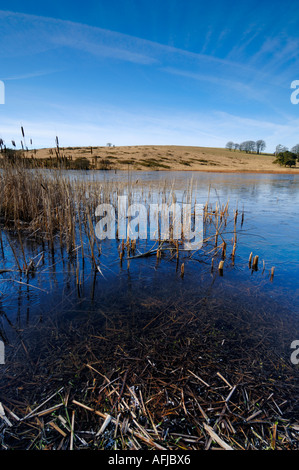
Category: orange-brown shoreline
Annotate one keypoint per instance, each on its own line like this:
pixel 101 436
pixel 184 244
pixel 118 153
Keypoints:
pixel 294 171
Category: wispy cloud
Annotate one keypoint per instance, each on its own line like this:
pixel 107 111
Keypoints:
pixel 24 76
pixel 255 69
pixel 29 34
pixel 23 34
pixel 237 85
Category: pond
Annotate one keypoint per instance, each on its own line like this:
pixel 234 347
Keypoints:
pixel 46 316
pixel 270 204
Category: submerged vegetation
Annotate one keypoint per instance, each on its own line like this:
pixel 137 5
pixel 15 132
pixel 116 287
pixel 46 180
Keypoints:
pixel 139 369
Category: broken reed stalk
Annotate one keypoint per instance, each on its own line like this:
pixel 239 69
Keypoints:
pixel 272 273
pixel 217 232
pixel 220 267
pixel 234 252
pixel 250 260
pixel 255 263
pixel 242 220
pixel 72 430
pixel 182 269
pixel 235 226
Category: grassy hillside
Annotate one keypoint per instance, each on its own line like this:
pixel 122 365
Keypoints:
pixel 164 158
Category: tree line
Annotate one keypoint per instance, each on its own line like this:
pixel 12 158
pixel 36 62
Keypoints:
pixel 249 146
pixel 284 156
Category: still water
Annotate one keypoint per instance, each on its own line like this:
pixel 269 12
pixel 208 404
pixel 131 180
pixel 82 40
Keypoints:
pixel 270 204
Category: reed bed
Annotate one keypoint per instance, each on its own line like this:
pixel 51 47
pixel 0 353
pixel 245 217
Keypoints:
pixel 56 209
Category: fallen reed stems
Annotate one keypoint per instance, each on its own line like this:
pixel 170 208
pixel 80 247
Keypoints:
pixel 161 391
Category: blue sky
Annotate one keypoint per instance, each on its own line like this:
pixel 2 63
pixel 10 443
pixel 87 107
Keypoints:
pixel 135 72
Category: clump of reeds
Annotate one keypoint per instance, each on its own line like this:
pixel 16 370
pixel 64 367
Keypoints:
pixel 60 210
pixel 43 204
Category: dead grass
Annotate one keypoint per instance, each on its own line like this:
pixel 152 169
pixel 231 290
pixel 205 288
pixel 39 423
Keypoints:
pixel 178 158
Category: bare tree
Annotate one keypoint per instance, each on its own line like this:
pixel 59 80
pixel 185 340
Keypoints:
pixel 230 145
pixel 295 149
pixel 280 148
pixel 248 146
pixel 251 146
pixel 260 145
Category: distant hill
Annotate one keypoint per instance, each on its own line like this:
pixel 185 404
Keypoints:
pixel 165 157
